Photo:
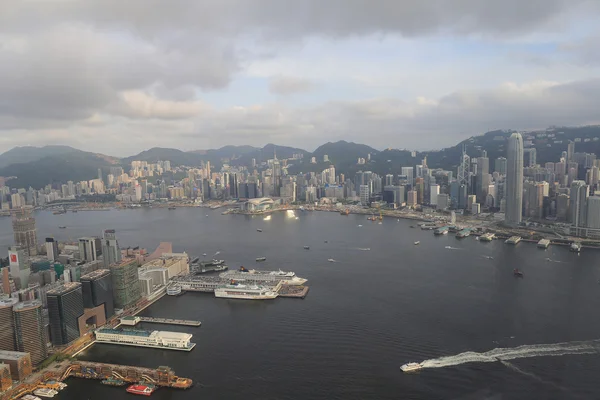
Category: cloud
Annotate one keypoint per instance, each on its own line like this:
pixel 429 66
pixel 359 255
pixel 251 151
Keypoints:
pixel 288 85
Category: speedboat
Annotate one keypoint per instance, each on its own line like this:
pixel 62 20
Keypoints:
pixel 410 367
pixel 306 248
pixel 417 243
pixel 330 260
pixel 204 254
pixel 259 230
pixel 261 258
pixel 517 273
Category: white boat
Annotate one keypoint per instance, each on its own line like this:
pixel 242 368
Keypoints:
pixel 576 247
pixel 267 218
pixel 261 259
pixel 417 243
pixel 410 367
pixel 30 397
pixel 245 292
pixel 359 226
pixel 43 392
pixel 331 260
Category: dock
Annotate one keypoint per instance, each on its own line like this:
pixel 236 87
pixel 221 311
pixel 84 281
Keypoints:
pixel 294 291
pixel 132 321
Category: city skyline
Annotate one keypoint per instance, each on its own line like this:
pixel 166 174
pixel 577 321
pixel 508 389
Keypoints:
pixel 416 74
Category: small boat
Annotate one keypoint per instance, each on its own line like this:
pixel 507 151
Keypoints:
pixel 62 227
pixel 206 215
pixel 204 254
pixel 325 241
pixel 380 223
pixel 411 367
pixel 517 273
pixel 258 259
pixel 330 260
pixel 575 247
pixel 172 208
pixel 489 257
pixel 144 389
pixel 412 226
pixel 306 247
pixel 29 397
pixel 259 230
pixel 417 243
pixel 45 392
pixel 360 226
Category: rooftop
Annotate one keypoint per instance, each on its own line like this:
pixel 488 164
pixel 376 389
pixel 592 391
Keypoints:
pixel 12 355
pixel 64 288
pixel 99 273
pixel 8 302
pixel 27 305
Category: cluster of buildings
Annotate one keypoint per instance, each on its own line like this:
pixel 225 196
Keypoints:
pixel 55 293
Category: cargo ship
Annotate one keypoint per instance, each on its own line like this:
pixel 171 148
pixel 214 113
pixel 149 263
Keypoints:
pixel 144 389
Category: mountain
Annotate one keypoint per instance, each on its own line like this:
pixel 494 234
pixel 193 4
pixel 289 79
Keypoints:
pixel 27 154
pixel 75 165
pixel 227 151
pixel 177 157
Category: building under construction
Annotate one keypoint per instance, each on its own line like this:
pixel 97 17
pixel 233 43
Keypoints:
pixel 24 229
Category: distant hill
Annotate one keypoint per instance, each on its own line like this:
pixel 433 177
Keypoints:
pixel 177 157
pixel 27 154
pixel 74 165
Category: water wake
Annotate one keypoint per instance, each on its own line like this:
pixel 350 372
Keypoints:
pixel 452 248
pixel 525 351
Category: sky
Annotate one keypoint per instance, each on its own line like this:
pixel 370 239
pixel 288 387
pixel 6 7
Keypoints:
pixel 119 77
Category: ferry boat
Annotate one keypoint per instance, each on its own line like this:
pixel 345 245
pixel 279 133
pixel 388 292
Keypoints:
pixel 267 218
pixel 306 248
pixel 173 290
pixel 513 240
pixel 45 392
pixel 488 237
pixel 141 338
pixel 259 259
pixel 244 292
pixel 411 367
pixel 575 247
pixel 144 389
pixel 113 382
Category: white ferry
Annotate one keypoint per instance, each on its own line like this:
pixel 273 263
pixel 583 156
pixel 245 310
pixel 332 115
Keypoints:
pixel 141 338
pixel 43 392
pixel 287 278
pixel 173 290
pixel 410 367
pixel 245 292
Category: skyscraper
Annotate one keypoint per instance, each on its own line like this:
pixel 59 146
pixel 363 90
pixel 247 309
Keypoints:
pixel 88 249
pixel 500 165
pixel 125 283
pixel 7 327
pixel 51 249
pixel 578 202
pixel 514 179
pixel 98 290
pixel 65 306
pixel 24 230
pixel 110 248
pixel 30 331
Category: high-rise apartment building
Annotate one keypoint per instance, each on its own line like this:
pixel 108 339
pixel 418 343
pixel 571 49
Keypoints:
pixel 89 249
pixel 578 206
pixel 111 252
pixel 98 290
pixel 30 331
pixel 24 229
pixel 7 327
pixel 125 283
pixel 593 212
pixel 500 165
pixel 65 306
pixel 51 249
pixel 514 180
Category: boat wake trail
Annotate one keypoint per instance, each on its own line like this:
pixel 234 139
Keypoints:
pixel 452 248
pixel 525 351
pixel 533 376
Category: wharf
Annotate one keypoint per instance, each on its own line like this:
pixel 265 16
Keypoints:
pixel 131 321
pixel 295 291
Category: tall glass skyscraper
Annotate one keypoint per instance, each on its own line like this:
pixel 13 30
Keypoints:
pixel 514 179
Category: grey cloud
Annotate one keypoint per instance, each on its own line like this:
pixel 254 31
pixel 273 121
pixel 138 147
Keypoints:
pixel 288 85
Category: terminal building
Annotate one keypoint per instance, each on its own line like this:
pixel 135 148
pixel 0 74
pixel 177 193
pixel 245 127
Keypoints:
pixel 134 337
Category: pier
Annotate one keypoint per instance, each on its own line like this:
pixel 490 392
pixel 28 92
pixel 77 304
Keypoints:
pixel 132 321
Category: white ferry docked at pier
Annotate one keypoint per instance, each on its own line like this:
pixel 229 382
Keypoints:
pixel 245 292
pixel 287 278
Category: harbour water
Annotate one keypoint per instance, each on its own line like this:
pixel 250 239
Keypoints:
pixel 444 301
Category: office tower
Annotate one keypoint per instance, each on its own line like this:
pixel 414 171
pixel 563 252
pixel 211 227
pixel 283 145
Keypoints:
pixel 593 212
pixel 30 330
pixel 389 180
pixel 530 157
pixel 570 151
pixel 463 168
pixel 51 249
pixel 89 249
pixel 578 202
pixel 483 177
pixel 98 290
pixel 514 179
pixel 18 261
pixel 7 327
pixel 16 201
pixel 409 173
pixel 65 306
pixel 412 198
pixel 6 280
pixel 443 201
pixel 125 283
pixel 434 191
pixel 534 199
pixel 24 230
pixel 420 188
pixel 365 195
pixel 100 174
pixel 500 165
pixel 19 363
pixel 110 248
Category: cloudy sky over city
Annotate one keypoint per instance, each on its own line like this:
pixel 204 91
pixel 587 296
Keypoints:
pixel 118 77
